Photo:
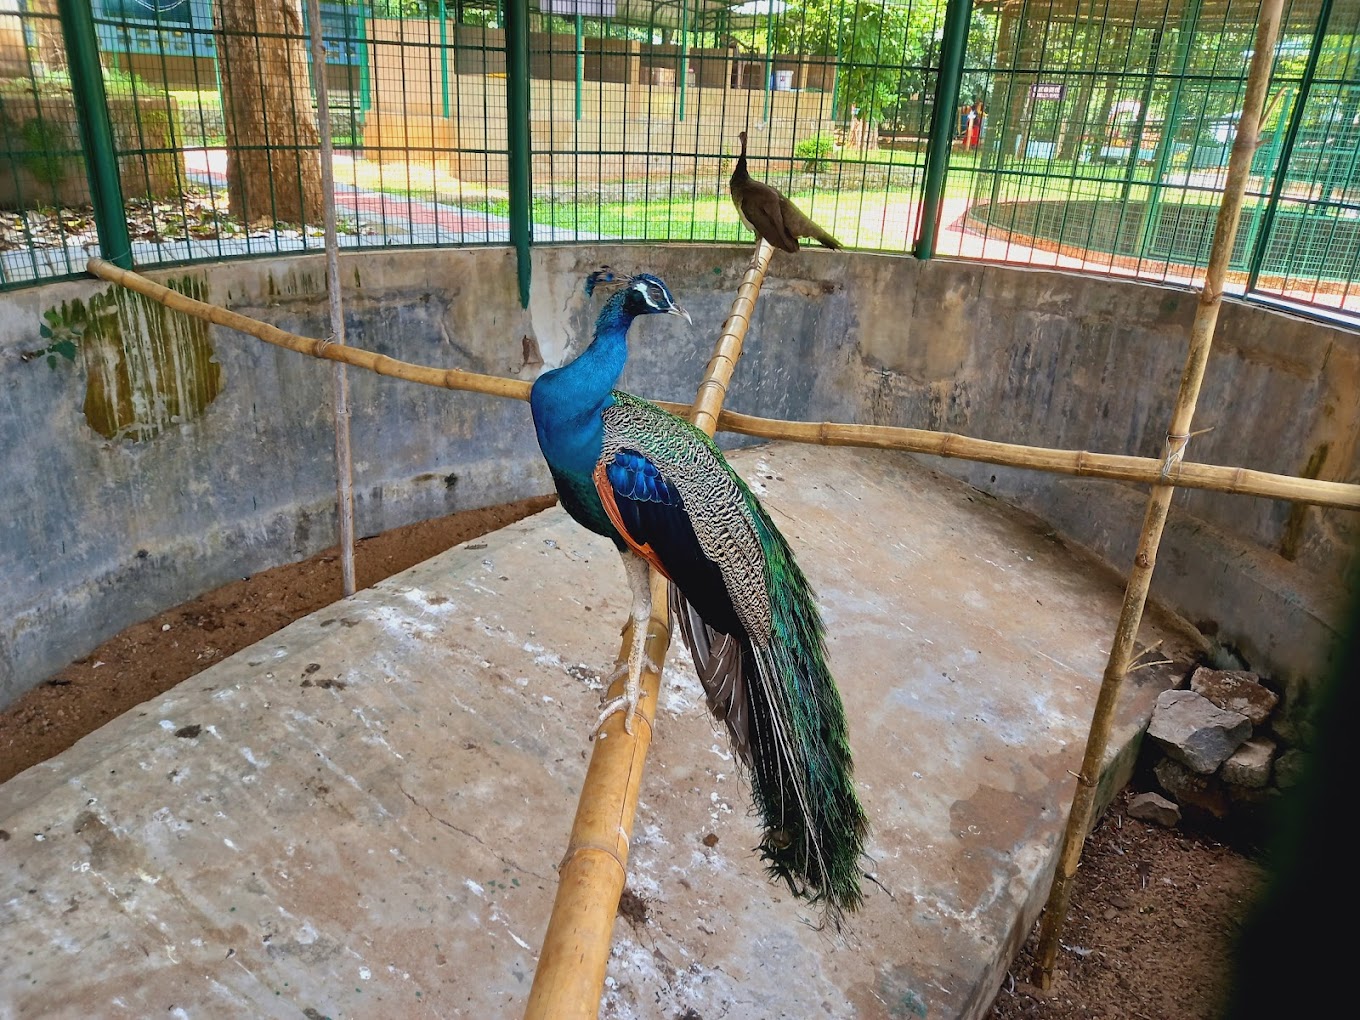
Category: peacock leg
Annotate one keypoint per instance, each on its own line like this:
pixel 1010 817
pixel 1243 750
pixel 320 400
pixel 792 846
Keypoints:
pixel 639 580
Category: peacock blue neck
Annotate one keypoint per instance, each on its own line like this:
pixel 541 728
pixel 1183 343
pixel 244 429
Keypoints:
pixel 568 401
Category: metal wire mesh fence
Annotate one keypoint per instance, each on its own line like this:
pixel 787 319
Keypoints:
pixel 1082 134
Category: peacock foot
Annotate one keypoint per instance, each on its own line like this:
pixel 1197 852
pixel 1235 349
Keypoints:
pixel 623 703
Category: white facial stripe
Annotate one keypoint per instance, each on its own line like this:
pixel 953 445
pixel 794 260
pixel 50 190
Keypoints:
pixel 642 288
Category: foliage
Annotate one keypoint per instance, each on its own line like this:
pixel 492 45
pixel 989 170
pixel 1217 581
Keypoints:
pixel 46 152
pixel 814 151
pixel 883 49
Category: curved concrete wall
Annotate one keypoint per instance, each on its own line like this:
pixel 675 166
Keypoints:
pixel 147 458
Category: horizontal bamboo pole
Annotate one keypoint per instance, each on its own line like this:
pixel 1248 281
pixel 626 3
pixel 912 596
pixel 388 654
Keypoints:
pixel 448 378
pixel 1148 470
pixel 1144 470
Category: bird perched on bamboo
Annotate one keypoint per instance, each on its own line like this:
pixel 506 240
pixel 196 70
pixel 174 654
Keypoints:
pixel 659 488
pixel 766 211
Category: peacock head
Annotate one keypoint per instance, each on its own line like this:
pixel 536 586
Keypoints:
pixel 643 294
pixel 647 295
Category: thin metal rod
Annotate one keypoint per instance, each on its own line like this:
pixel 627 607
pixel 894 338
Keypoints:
pixel 571 967
pixel 1147 470
pixel 684 53
pixel 957 16
pixel 344 461
pixel 1185 34
pixel 580 62
pixel 1159 498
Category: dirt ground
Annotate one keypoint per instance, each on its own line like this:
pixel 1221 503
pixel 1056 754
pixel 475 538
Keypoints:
pixel 1154 913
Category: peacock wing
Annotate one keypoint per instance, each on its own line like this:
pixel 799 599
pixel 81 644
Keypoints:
pixel 801 225
pixel 675 502
pixel 763 208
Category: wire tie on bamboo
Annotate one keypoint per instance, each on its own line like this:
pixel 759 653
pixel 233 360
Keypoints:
pixel 1175 449
pixel 1175 452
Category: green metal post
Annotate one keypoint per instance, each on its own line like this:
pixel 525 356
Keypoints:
pixel 96 131
pixel 1185 34
pixel 836 76
pixel 444 55
pixel 580 61
pixel 365 86
pixel 957 15
pixel 769 58
pixel 1267 223
pixel 518 138
pixel 684 52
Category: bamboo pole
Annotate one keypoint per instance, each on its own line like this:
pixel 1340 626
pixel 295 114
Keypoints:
pixel 1159 498
pixel 1145 470
pixel 712 391
pixel 571 966
pixel 344 460
pixel 447 378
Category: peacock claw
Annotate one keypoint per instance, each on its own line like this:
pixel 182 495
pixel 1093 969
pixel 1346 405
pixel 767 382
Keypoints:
pixel 623 703
pixel 621 668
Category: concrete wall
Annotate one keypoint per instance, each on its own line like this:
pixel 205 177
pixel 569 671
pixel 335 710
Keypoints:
pixel 148 458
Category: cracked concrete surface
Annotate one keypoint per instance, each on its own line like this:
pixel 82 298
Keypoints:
pixel 362 815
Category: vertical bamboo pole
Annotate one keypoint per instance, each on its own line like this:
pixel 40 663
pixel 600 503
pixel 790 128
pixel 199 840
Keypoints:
pixel 343 460
pixel 1159 497
pixel 571 966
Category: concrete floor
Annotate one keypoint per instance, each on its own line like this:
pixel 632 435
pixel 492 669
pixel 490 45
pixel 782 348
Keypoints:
pixel 361 816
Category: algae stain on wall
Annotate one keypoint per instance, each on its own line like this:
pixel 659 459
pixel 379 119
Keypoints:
pixel 147 368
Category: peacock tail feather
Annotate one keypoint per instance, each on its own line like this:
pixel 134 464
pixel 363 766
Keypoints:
pixel 803 772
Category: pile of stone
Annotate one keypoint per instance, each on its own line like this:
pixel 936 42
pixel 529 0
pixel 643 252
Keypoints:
pixel 1212 749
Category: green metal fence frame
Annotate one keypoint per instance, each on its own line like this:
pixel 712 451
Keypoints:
pixel 102 161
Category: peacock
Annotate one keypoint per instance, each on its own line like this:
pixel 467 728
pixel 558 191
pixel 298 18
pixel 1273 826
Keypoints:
pixel 660 489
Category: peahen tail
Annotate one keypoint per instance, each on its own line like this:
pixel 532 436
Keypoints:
pixel 787 723
pixel 822 237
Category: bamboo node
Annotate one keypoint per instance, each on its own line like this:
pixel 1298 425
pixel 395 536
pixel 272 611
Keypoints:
pixel 579 848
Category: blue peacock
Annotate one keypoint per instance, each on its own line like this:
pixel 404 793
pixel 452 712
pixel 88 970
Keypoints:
pixel 662 492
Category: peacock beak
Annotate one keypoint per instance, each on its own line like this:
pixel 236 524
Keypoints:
pixel 677 310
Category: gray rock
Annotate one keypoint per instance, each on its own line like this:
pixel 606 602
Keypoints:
pixel 1194 731
pixel 1191 789
pixel 1152 807
pixel 1236 691
pixel 1249 765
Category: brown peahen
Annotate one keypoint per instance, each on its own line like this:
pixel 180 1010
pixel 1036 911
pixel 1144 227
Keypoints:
pixel 766 211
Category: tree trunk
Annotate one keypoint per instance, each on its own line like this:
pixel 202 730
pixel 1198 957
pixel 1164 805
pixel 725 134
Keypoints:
pixel 273 149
